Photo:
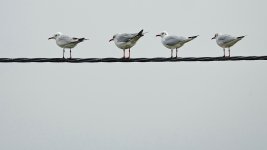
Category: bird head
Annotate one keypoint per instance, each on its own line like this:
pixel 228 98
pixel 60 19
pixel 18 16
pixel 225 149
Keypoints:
pixel 55 36
pixel 162 34
pixel 215 36
pixel 114 36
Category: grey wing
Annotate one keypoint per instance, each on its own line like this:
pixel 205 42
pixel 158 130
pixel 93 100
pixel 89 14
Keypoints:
pixel 226 39
pixel 125 37
pixel 173 40
pixel 64 40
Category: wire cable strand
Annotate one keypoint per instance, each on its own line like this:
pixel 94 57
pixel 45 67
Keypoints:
pixel 113 60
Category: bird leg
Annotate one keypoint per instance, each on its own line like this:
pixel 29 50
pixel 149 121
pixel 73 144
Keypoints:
pixel 172 54
pixel 229 52
pixel 224 52
pixel 63 53
pixel 123 53
pixel 70 53
pixel 176 52
pixel 129 53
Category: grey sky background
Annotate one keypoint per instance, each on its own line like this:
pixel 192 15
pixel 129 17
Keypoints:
pixel 129 106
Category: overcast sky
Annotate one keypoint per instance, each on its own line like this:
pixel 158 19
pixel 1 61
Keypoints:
pixel 132 106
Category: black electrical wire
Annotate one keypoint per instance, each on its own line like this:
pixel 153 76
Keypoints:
pixel 113 60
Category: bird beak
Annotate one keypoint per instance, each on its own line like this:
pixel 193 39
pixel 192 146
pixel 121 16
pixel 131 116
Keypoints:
pixel 158 35
pixel 213 38
pixel 111 40
pixel 50 38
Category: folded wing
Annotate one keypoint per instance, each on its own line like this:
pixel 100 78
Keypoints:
pixel 174 40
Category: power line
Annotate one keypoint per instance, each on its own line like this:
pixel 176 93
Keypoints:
pixel 112 60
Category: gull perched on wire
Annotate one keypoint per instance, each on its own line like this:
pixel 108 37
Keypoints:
pixel 226 41
pixel 174 42
pixel 66 42
pixel 126 41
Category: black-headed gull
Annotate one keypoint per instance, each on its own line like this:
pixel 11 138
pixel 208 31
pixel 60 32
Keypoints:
pixel 174 42
pixel 226 41
pixel 65 41
pixel 126 41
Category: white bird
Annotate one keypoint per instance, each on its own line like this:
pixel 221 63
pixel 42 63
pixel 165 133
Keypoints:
pixel 174 42
pixel 126 41
pixel 66 42
pixel 226 41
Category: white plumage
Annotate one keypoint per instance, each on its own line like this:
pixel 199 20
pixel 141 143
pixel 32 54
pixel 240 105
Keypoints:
pixel 226 41
pixel 174 42
pixel 126 41
pixel 65 41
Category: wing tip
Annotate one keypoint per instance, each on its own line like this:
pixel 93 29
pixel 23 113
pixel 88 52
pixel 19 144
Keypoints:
pixel 241 37
pixel 193 37
pixel 140 33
